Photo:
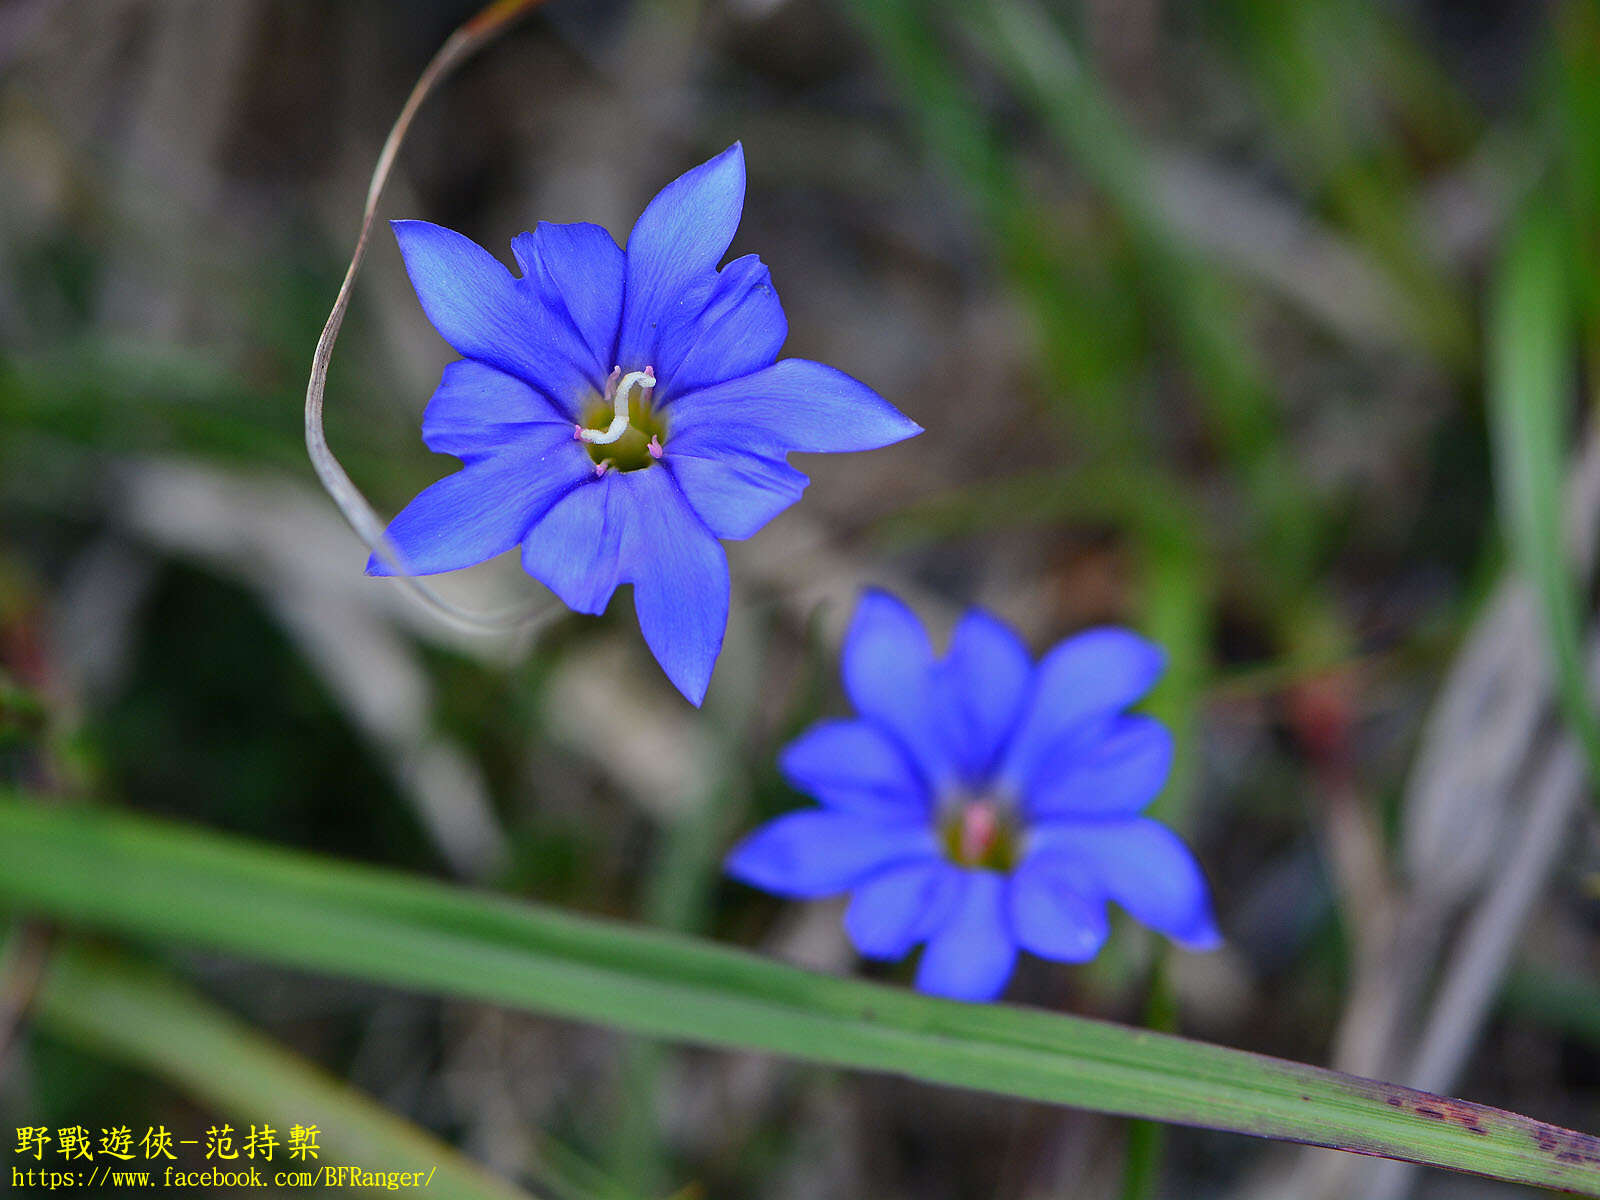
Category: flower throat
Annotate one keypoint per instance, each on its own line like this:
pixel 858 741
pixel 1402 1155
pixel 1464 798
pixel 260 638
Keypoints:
pixel 980 833
pixel 622 430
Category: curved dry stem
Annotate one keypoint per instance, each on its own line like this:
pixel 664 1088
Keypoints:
pixel 357 511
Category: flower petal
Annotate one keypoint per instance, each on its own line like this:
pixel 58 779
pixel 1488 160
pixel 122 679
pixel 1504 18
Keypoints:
pixel 680 579
pixel 1093 674
pixel 673 250
pixel 735 493
pixel 887 663
pixel 576 550
pixel 794 404
pixel 635 527
pixel 1144 867
pixel 485 508
pixel 741 330
pixel 578 270
pixel 982 684
pixel 477 410
pixel 854 767
pixel 971 955
pixel 1115 772
pixel 480 309
pixel 819 852
pixel 1056 909
pixel 899 907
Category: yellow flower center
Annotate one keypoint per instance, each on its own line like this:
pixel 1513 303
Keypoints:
pixel 631 451
pixel 980 832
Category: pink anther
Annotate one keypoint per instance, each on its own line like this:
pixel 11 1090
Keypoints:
pixel 655 447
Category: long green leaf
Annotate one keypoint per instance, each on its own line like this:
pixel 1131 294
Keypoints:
pixel 153 880
pixel 1531 349
pixel 136 1014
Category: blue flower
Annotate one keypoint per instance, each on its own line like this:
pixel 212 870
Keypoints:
pixel 617 412
pixel 983 803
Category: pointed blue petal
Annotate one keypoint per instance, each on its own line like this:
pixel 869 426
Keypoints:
pixel 576 550
pixel 741 330
pixel 484 313
pixel 1092 675
pixel 735 493
pixel 485 508
pixel 819 853
pixel 673 251
pixel 477 410
pixel 982 684
pixel 1057 909
pixel 971 955
pixel 887 663
pixel 680 579
pixel 577 270
pixel 1114 771
pixel 899 907
pixel 1144 867
pixel 855 767
pixel 794 404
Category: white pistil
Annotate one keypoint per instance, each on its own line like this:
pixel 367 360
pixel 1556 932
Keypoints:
pixel 619 406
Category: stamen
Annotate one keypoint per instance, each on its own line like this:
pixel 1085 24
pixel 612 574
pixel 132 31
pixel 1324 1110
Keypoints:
pixel 601 467
pixel 619 406
pixel 655 447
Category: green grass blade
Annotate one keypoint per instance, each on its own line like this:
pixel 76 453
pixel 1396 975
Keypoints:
pixel 1531 351
pixel 157 881
pixel 137 1015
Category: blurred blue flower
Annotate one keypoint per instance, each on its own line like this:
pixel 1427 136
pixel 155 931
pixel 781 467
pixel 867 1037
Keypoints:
pixel 617 412
pixel 982 803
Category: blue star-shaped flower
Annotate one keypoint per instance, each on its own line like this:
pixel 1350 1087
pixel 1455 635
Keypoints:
pixel 982 803
pixel 617 412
